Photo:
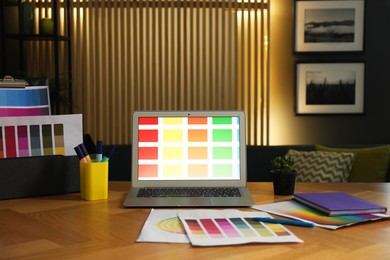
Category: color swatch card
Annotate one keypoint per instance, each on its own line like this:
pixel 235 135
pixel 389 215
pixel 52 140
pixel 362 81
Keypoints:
pixel 295 210
pixel 40 135
pixel 231 227
pixel 27 101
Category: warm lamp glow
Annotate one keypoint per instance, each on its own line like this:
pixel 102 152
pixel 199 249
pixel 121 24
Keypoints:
pixel 252 1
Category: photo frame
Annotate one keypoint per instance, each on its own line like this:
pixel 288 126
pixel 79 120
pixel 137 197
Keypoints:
pixel 329 26
pixel 330 88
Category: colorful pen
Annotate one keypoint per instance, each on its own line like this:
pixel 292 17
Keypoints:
pixel 85 152
pixel 286 222
pixel 108 156
pixel 80 154
pixel 99 151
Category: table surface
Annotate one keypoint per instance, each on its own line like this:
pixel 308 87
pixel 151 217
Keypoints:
pixel 64 226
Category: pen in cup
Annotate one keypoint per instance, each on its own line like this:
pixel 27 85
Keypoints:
pixel 85 152
pixel 107 157
pixel 285 222
pixel 80 154
pixel 99 151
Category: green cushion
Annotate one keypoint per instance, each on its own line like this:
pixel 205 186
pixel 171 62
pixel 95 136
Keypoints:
pixel 370 163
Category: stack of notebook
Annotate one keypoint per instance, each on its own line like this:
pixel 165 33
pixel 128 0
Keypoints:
pixel 338 203
pixel 330 210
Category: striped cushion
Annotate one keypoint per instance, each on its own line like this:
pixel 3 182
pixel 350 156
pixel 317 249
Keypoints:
pixel 318 166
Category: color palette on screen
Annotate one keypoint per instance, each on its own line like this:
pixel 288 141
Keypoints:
pixel 31 140
pixel 189 148
pixel 29 101
pixel 233 228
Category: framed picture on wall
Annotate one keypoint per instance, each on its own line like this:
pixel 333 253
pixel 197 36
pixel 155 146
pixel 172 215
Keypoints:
pixel 330 88
pixel 329 26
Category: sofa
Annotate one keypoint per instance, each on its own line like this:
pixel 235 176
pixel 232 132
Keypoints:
pixel 376 157
pixel 370 163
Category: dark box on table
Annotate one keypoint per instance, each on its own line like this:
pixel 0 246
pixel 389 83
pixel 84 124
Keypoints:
pixel 39 176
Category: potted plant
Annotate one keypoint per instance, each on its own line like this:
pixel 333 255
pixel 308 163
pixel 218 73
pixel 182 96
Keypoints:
pixel 284 175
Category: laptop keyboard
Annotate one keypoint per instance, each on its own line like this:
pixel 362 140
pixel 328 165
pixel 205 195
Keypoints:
pixel 189 192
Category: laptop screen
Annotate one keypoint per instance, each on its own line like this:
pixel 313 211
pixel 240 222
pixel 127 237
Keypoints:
pixel 188 147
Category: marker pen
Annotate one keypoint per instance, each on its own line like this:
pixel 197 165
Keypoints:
pixel 99 151
pixel 285 221
pixel 108 156
pixel 80 155
pixel 85 152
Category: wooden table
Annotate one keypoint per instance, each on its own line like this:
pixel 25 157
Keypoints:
pixel 63 227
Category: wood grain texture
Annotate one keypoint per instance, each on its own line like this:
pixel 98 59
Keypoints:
pixel 65 227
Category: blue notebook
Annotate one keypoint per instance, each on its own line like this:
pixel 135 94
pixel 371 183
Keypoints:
pixel 338 203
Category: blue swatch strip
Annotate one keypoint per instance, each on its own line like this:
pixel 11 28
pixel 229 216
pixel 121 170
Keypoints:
pixel 23 97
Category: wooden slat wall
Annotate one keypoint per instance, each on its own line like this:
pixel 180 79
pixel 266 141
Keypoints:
pixel 168 55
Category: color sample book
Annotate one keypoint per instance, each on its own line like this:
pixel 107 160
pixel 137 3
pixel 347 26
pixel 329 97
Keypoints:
pixel 28 101
pixel 39 135
pixel 293 209
pixel 229 227
pixel 188 148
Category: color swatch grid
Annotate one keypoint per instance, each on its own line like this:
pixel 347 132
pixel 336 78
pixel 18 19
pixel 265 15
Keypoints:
pixel 188 148
pixel 29 101
pixel 233 228
pixel 229 227
pixel 31 140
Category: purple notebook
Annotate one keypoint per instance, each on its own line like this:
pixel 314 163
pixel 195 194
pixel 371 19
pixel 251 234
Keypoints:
pixel 338 203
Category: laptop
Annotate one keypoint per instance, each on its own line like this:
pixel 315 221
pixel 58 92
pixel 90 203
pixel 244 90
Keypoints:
pixel 188 159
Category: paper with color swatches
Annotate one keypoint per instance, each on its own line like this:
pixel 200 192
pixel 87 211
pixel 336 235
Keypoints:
pixel 163 226
pixel 295 210
pixel 212 228
pixel 40 135
pixel 28 101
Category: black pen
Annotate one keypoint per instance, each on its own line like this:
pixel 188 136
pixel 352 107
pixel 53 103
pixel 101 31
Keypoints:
pixel 108 156
pixel 80 154
pixel 85 152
